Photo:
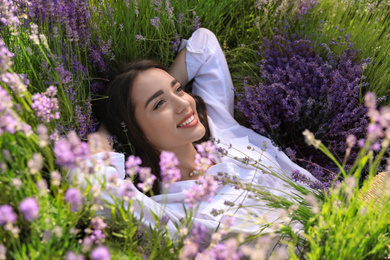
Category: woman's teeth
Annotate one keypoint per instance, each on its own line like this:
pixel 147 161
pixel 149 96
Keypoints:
pixel 189 120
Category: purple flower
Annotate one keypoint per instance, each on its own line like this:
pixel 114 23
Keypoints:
pixel 29 208
pixel 15 82
pixel 133 165
pixel 226 250
pixel 98 223
pixel 73 256
pixel 127 189
pixel 299 177
pixel 139 37
pixel 168 165
pixel 98 236
pixel 303 89
pixel 195 23
pixel 198 233
pixel 5 57
pixel 3 251
pixel 169 8
pixel 204 189
pixel 73 15
pixel 180 19
pixel 190 250
pixel 8 13
pixel 46 106
pixel 74 197
pixel 175 43
pixel 147 179
pixel 155 22
pixel 7 215
pixel 70 150
pixel 100 253
pixel 203 159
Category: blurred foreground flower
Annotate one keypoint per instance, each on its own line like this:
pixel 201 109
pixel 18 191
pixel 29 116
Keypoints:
pixel 204 189
pixel 29 208
pixel 7 215
pixel 169 171
pixel 100 253
pixel 74 197
pixel 71 151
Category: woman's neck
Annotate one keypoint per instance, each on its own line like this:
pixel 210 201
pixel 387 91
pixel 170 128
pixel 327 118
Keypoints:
pixel 186 157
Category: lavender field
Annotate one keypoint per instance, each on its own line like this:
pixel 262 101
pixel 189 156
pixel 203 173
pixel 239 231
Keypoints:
pixel 311 75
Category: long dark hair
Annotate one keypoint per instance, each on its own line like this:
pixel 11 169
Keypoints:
pixel 117 113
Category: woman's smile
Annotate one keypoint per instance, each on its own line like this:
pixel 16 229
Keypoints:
pixel 188 121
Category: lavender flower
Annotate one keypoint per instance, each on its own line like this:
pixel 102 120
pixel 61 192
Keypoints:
pixel 203 159
pixel 73 256
pixel 203 190
pixel 98 236
pixel 7 215
pixel 169 8
pixel 227 250
pixel 98 223
pixel 5 57
pixel 3 251
pixel 155 22
pixel 35 164
pixel 139 37
pixel 299 177
pixel 190 250
pixel 147 179
pixel 133 165
pixel 73 15
pixel 127 190
pixel 8 13
pixel 29 208
pixel 195 24
pixel 175 43
pixel 302 89
pixel 43 136
pixel 100 253
pixel 198 233
pixel 74 197
pixel 45 105
pixel 70 150
pixel 15 82
pixel 180 18
pixel 302 7
pixel 168 165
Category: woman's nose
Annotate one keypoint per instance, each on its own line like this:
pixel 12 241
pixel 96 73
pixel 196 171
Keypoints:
pixel 181 104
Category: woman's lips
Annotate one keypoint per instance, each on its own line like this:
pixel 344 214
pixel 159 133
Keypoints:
pixel 189 120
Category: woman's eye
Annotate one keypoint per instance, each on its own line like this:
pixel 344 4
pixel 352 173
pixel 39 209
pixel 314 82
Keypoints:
pixel 159 104
pixel 179 89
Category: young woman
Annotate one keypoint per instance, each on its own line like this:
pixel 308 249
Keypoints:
pixel 148 108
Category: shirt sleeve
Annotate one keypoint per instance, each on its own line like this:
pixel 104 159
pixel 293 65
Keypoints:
pixel 207 66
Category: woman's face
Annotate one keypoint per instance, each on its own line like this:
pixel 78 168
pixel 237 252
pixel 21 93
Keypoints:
pixel 166 114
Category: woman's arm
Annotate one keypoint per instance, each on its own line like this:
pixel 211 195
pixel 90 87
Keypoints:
pixel 179 69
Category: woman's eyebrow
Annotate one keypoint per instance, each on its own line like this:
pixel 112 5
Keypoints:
pixel 160 92
pixel 155 95
pixel 174 82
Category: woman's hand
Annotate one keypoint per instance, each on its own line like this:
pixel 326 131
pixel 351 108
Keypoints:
pixel 98 141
